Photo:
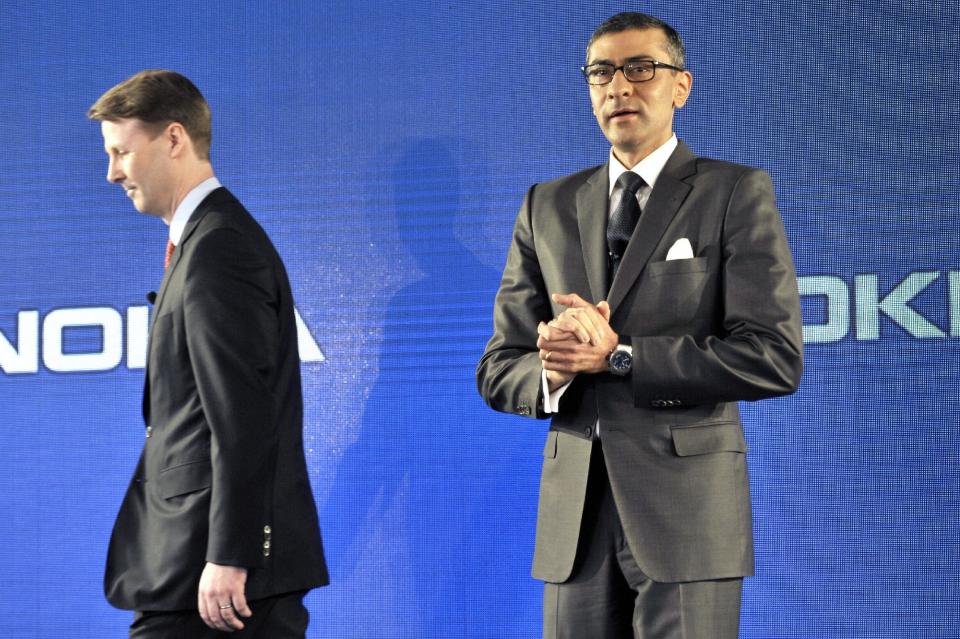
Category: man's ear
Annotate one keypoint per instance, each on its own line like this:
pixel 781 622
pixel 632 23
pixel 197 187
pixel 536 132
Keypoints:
pixel 682 88
pixel 177 138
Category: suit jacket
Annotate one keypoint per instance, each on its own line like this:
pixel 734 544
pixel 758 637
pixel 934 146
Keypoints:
pixel 222 477
pixel 706 332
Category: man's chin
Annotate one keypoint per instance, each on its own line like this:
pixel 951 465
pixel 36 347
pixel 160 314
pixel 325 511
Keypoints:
pixel 621 137
pixel 624 144
pixel 142 206
pixel 144 211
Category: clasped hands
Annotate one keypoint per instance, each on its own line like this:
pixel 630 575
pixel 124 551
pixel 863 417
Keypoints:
pixel 578 340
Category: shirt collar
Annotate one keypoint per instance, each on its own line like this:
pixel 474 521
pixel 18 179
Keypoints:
pixel 188 205
pixel 648 168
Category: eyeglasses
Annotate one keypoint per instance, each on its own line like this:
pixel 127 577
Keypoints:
pixel 635 71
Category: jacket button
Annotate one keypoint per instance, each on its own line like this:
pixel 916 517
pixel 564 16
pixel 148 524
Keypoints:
pixel 588 431
pixel 523 409
pixel 149 430
pixel 267 530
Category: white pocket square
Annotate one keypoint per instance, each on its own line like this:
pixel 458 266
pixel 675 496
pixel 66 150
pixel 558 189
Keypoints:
pixel 681 250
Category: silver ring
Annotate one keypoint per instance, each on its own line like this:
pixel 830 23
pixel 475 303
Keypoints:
pixel 229 605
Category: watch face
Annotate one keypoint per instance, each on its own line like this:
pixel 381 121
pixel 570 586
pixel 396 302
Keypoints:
pixel 620 362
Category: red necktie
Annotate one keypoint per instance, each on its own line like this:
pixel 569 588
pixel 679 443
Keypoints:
pixel 168 255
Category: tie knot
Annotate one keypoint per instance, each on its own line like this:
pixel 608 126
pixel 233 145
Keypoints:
pixel 630 182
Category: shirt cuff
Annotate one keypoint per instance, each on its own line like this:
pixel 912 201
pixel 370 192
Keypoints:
pixel 551 401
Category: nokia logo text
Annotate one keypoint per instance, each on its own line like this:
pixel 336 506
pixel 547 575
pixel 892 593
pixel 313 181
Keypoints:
pixel 118 334
pixel 863 309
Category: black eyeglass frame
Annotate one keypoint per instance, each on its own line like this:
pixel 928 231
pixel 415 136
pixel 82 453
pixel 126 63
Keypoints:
pixel 656 64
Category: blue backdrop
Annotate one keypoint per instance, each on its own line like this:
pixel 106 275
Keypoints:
pixel 386 147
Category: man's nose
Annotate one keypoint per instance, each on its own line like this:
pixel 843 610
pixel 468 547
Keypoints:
pixel 114 174
pixel 619 85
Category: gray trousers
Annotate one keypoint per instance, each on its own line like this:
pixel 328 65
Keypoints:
pixel 609 597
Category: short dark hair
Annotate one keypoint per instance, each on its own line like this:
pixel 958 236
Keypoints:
pixel 158 98
pixel 633 20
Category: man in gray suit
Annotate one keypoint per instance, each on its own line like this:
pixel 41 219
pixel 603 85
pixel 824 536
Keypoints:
pixel 218 530
pixel 640 302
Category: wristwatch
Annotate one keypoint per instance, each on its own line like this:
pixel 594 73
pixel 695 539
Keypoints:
pixel 620 361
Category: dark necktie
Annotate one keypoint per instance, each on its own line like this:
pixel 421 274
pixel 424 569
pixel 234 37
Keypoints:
pixel 168 254
pixel 623 220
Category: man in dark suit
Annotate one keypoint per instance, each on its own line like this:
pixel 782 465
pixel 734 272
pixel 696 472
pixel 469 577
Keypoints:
pixel 640 301
pixel 219 517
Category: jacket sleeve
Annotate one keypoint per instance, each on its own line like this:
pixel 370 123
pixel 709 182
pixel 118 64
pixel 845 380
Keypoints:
pixel 231 314
pixel 508 375
pixel 758 352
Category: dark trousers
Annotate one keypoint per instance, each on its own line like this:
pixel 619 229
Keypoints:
pixel 609 597
pixel 280 617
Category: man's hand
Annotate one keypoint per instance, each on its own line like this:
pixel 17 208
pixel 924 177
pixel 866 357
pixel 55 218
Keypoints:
pixel 221 597
pixel 555 379
pixel 579 340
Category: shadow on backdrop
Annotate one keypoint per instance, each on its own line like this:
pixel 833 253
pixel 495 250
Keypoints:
pixel 422 498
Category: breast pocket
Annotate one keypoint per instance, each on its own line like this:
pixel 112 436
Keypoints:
pixel 675 267
pixel 676 289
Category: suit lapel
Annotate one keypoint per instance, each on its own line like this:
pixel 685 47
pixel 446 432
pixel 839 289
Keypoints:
pixel 664 202
pixel 188 230
pixel 592 202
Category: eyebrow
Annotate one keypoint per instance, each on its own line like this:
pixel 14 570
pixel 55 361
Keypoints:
pixel 636 58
